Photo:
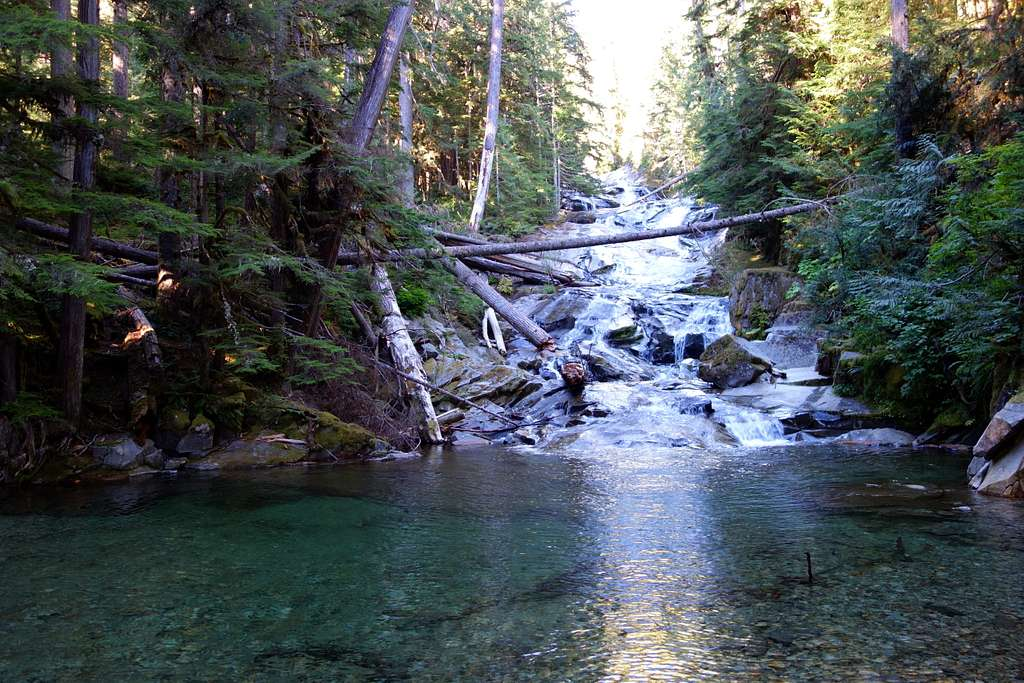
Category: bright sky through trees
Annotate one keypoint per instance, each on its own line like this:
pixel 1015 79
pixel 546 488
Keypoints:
pixel 625 41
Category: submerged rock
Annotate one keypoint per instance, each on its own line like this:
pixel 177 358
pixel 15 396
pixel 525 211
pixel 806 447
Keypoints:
pixel 877 437
pixel 729 363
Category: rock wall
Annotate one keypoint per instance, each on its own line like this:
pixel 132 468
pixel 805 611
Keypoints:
pixel 758 296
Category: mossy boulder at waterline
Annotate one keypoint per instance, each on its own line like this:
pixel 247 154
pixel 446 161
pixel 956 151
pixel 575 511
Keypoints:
pixel 757 297
pixel 340 439
pixel 728 363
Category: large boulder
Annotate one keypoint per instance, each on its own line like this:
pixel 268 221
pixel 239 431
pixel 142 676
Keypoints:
pixel 198 441
pixel 998 465
pixel 247 454
pixel 1003 476
pixel 121 451
pixel 758 296
pixel 728 363
pixel 1004 428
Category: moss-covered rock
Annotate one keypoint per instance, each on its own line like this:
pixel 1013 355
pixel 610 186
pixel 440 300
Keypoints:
pixel 247 454
pixel 728 363
pixel 758 296
pixel 340 439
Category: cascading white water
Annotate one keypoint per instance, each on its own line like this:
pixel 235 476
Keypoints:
pixel 637 329
pixel 756 429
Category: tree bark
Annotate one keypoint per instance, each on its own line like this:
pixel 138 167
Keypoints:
pixel 403 352
pixel 407 179
pixel 901 78
pixel 169 243
pixel 491 120
pixel 364 122
pixel 72 327
pixel 376 86
pixel 492 249
pixel 61 66
pixel 479 286
pixel 119 70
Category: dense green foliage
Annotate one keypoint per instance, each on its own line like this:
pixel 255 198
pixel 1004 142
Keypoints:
pixel 227 155
pixel 921 266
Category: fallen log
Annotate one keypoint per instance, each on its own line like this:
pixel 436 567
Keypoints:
pixel 140 270
pixel 99 244
pixel 539 266
pixel 129 280
pixel 450 417
pixel 143 331
pixel 403 352
pixel 354 258
pixel 528 276
pixel 479 286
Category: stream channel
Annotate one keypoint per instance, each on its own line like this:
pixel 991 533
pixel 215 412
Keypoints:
pixel 637 539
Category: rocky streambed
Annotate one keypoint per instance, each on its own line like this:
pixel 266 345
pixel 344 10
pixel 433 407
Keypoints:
pixel 665 364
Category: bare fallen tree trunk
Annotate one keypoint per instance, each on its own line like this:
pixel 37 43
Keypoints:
pixel 483 180
pixel 403 352
pixel 478 285
pixel 528 276
pixel 580 242
pixel 99 244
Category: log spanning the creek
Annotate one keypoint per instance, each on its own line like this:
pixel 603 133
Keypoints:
pixel 354 258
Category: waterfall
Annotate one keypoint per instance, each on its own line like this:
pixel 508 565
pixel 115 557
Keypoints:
pixel 756 429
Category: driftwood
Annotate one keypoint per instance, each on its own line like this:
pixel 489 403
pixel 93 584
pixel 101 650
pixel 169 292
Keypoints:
pixel 579 242
pixel 403 352
pixel 450 417
pixel 650 196
pixel 490 324
pixel 99 244
pixel 479 286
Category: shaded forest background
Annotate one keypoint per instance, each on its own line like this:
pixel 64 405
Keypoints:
pixel 218 134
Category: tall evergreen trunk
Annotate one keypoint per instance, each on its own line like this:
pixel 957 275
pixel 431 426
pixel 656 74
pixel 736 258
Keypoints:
pixel 360 131
pixel 119 70
pixel 491 121
pixel 72 324
pixel 902 83
pixel 61 67
pixel 407 180
pixel 169 243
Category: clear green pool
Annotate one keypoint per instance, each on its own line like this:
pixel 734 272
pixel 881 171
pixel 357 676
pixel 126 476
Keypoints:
pixel 622 564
